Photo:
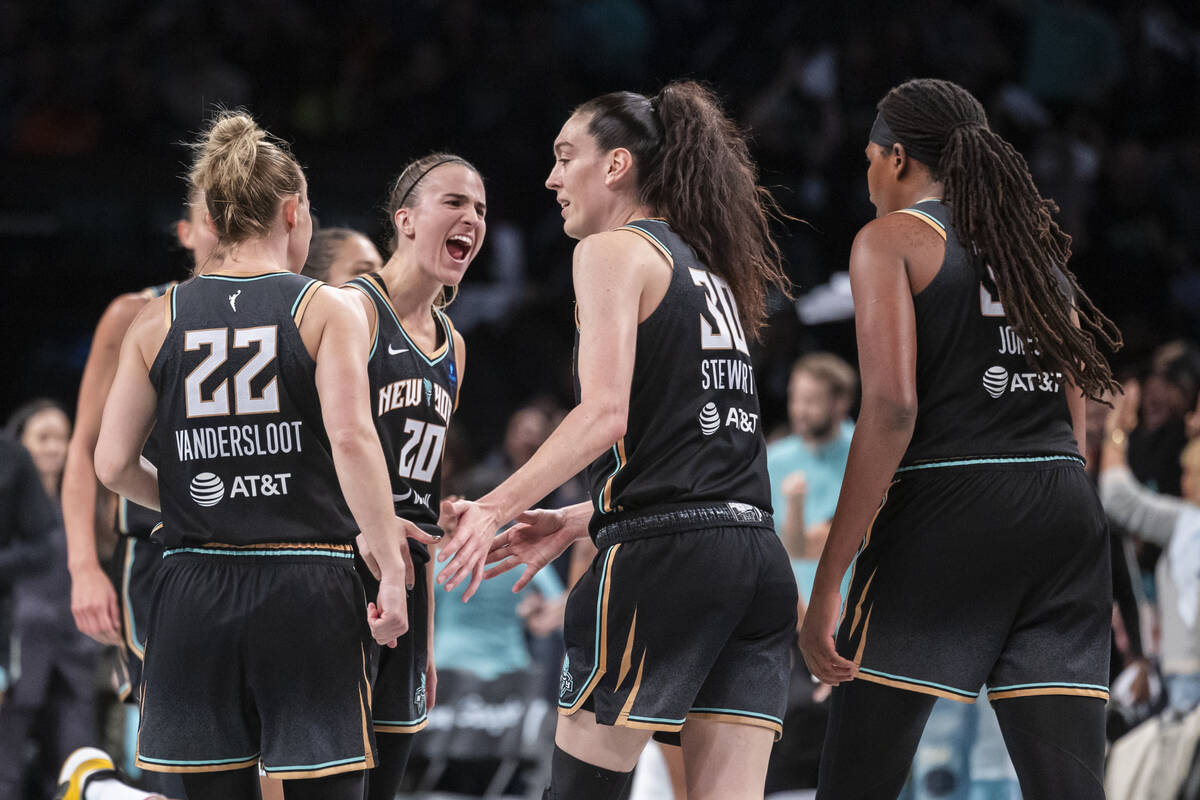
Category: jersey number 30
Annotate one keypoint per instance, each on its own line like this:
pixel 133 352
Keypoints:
pixel 728 333
pixel 216 341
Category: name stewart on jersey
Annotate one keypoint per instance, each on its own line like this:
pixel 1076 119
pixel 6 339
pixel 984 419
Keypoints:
pixel 415 394
pixel 692 435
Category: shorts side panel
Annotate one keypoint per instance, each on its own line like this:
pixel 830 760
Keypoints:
pixel 398 673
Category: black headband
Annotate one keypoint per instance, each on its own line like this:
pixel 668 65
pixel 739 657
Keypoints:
pixel 881 134
pixel 421 177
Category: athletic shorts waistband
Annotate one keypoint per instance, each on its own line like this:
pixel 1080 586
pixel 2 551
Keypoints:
pixel 306 550
pixel 679 520
pixel 1012 462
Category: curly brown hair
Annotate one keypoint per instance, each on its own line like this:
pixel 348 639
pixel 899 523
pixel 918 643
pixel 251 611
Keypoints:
pixel 694 169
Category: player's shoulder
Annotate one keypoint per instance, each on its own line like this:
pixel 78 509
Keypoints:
pixel 124 308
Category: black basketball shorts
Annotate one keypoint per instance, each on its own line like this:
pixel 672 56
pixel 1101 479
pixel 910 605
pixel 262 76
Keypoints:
pixel 257 654
pixel 134 566
pixel 398 673
pixel 982 571
pixel 681 626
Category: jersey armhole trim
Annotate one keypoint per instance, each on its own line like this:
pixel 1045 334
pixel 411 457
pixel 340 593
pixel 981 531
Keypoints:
pixel 303 299
pixel 653 240
pixel 448 324
pixel 170 305
pixel 374 337
pixel 926 218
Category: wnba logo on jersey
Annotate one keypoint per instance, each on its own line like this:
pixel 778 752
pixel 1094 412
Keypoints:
pixel 207 489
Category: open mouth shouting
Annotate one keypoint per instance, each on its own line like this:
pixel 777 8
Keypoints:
pixel 459 247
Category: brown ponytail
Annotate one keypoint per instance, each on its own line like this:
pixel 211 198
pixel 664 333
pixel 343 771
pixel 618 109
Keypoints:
pixel 694 169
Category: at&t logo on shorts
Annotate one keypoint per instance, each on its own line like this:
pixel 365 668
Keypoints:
pixel 207 489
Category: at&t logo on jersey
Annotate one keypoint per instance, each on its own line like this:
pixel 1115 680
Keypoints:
pixel 738 418
pixel 207 489
pixel 998 380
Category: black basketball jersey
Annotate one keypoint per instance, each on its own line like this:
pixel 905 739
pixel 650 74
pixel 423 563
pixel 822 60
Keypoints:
pixel 976 394
pixel 693 435
pixel 413 394
pixel 132 519
pixel 243 453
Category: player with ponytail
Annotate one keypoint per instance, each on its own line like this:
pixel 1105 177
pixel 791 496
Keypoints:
pixel 682 626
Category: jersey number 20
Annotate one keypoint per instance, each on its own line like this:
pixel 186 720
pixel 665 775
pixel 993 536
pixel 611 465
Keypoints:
pixel 216 340
pixel 427 440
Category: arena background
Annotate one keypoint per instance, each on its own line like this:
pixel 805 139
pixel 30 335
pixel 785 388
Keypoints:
pixel 98 96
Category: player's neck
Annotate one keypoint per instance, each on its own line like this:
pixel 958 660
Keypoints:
pixel 411 289
pixel 919 192
pixel 251 257
pixel 627 213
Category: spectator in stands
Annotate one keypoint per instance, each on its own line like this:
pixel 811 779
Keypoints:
pixel 806 467
pixel 1173 524
pixel 54 688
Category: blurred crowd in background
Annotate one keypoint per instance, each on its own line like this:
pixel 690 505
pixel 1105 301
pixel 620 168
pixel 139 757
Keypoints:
pixel 1103 99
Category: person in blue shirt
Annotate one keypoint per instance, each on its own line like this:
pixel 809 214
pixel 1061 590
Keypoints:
pixel 806 466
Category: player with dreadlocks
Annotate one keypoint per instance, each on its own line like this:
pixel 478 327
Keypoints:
pixel 986 562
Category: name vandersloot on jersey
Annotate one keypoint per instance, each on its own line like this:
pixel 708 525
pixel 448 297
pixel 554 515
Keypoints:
pixel 239 441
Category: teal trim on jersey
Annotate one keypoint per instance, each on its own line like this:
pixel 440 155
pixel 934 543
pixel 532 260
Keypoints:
pixel 930 217
pixel 659 720
pixel 306 767
pixel 387 304
pixel 967 462
pixel 130 621
pixel 174 290
pixel 918 682
pixel 374 343
pixel 211 762
pixel 1046 686
pixel 405 724
pixel 237 279
pixel 296 304
pixel 600 500
pixel 733 711
pixel 599 608
pixel 652 236
pixel 216 551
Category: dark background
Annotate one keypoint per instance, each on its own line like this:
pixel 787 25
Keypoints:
pixel 98 95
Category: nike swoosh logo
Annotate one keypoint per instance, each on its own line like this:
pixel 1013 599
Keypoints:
pixel 392 352
pixel 400 498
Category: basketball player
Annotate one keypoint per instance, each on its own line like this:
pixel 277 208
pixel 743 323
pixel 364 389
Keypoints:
pixel 683 623
pixel 119 617
pixel 108 616
pixel 436 208
pixel 256 379
pixel 336 255
pixel 986 561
